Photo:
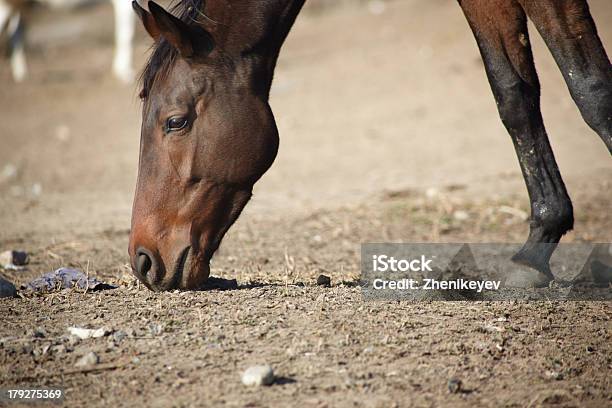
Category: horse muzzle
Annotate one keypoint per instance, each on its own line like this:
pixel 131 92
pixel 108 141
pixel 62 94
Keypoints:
pixel 185 271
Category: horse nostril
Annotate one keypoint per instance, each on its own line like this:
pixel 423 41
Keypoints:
pixel 144 263
pixel 148 267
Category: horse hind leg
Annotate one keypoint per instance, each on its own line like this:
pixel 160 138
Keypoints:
pixel 124 34
pixel 5 13
pixel 15 28
pixel 10 20
pixel 571 35
pixel 500 28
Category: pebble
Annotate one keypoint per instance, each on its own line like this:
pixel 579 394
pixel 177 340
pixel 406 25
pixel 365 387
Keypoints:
pixel 38 333
pixel 82 333
pixel 454 385
pixel 324 280
pixel 431 192
pixel 10 259
pixel 36 189
pixel 554 375
pixel 119 335
pixel 27 348
pixel 155 329
pixel 258 375
pixel 88 359
pixel 461 215
pixel 8 173
pixel 7 289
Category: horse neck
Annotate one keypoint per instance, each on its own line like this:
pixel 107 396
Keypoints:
pixel 253 31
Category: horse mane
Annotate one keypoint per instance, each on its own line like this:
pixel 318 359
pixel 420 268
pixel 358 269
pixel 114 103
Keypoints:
pixel 163 54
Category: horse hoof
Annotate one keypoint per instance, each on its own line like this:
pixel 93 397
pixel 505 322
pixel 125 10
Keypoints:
pixel 526 277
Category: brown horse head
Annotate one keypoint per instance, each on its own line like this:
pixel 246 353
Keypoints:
pixel 207 135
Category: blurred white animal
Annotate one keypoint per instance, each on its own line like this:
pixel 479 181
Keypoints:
pixel 11 20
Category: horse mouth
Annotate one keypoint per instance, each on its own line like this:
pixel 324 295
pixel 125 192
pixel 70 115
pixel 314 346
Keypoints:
pixel 183 261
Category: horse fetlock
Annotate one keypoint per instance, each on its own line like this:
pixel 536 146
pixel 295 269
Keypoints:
pixel 550 220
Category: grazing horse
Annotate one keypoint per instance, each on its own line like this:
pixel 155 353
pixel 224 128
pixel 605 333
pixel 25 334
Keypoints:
pixel 11 20
pixel 208 133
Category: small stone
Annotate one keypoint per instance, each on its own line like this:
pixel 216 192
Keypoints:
pixel 590 349
pixel 7 289
pixel 88 359
pixel 554 375
pixel 9 172
pixel 461 215
pixel 454 385
pixel 119 336
pixel 27 348
pixel 10 259
pixel 258 375
pixel 83 334
pixel 36 189
pixel 155 329
pixel 431 192
pixel 38 333
pixel 324 280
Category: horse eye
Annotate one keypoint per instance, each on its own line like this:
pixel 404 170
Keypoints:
pixel 175 123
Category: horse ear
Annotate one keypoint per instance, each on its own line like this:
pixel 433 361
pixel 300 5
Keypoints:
pixel 189 41
pixel 147 20
pixel 174 30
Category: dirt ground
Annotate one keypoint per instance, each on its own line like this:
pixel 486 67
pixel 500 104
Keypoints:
pixel 388 131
